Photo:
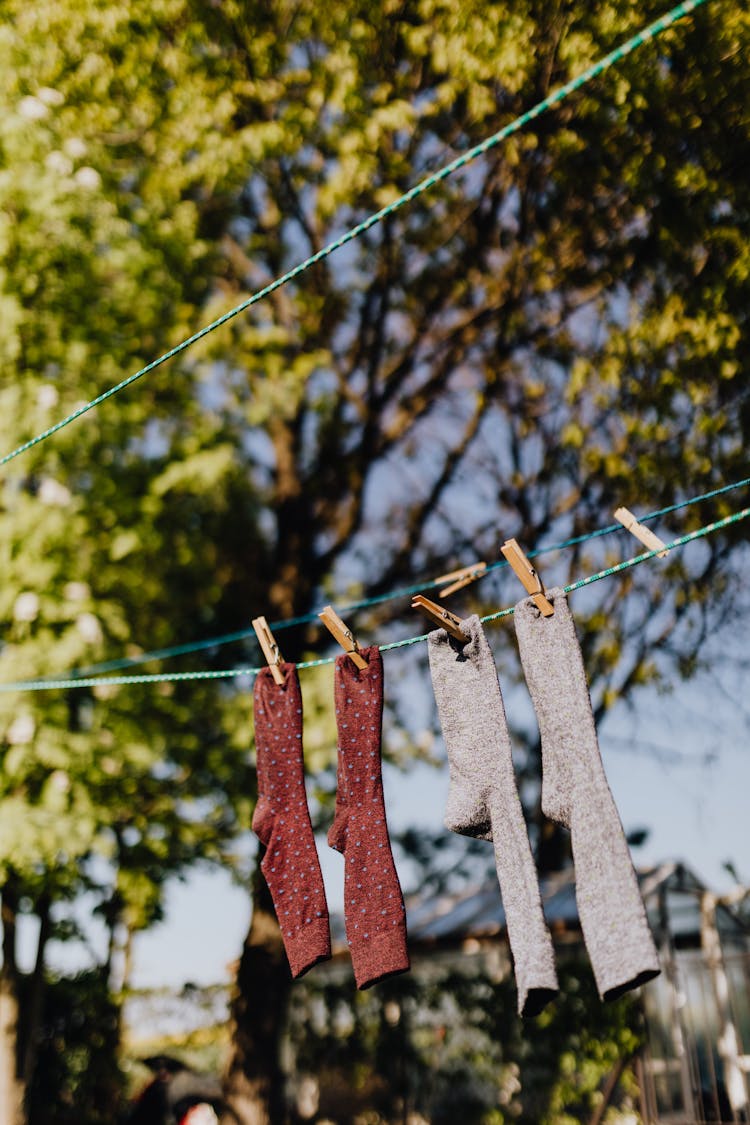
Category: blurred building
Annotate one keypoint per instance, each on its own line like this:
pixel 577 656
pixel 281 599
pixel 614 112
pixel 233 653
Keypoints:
pixel 696 1064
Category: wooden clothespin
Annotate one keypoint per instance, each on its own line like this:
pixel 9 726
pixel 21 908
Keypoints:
pixel 645 534
pixel 343 635
pixel 440 616
pixel 460 578
pixel 271 650
pixel 531 581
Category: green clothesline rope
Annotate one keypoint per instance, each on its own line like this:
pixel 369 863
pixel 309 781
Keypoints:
pixel 644 36
pixel 402 592
pixel 236 673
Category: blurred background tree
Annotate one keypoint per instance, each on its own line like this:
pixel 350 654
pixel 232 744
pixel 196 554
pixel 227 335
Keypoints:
pixel 77 1077
pixel 444 1044
pixel 551 332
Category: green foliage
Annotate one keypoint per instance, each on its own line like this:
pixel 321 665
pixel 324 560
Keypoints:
pixel 120 532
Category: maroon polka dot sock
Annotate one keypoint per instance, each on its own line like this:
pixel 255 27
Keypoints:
pixel 373 904
pixel 281 822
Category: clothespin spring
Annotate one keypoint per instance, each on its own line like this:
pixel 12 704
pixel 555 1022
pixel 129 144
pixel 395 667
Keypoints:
pixel 343 635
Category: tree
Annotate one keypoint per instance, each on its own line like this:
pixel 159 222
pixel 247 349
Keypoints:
pixel 552 331
pixel 127 530
pixel 78 1078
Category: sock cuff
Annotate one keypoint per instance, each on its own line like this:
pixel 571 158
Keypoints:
pixel 553 663
pixel 472 717
pixel 266 691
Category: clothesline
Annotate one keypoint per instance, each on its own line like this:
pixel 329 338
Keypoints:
pixel 239 672
pixel 166 653
pixel 644 36
pixel 85 677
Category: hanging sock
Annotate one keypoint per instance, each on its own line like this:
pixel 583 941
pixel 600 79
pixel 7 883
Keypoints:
pixel 483 798
pixel 575 794
pixel 373 903
pixel 281 822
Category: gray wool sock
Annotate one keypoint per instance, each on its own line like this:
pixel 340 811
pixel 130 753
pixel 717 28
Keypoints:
pixel 483 799
pixel 575 793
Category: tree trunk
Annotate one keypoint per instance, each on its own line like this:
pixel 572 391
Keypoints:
pixel 254 1081
pixel 11 1084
